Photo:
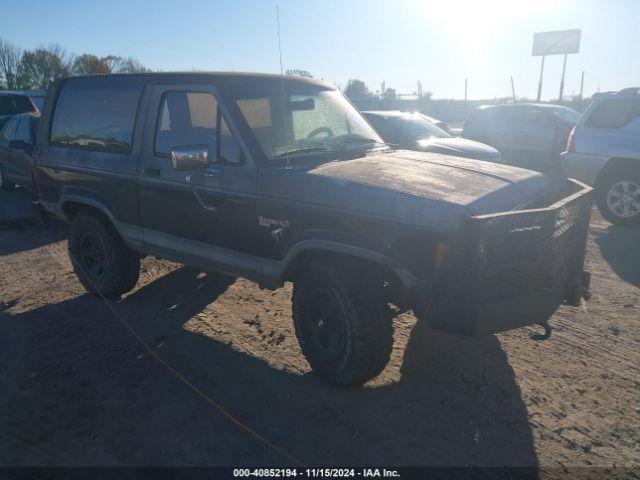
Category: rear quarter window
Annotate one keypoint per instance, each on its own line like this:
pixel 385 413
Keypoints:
pixel 15 104
pixel 97 113
pixel 614 113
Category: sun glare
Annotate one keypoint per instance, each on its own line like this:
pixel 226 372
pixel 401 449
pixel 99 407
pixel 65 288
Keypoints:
pixel 474 22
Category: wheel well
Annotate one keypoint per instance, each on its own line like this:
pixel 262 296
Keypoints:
pixel 393 283
pixel 614 164
pixel 71 209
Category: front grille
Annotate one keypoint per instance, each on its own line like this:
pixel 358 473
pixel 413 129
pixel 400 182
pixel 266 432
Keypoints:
pixel 531 251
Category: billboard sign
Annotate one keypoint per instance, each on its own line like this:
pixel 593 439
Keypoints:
pixel 556 43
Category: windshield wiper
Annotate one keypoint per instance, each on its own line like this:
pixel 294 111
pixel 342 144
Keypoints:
pixel 297 151
pixel 357 139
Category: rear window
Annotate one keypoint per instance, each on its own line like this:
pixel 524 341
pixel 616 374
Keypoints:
pixel 97 113
pixel 614 113
pixel 15 104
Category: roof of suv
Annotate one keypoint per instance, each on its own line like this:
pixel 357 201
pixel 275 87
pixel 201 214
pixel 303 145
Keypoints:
pixel 200 76
pixel 549 106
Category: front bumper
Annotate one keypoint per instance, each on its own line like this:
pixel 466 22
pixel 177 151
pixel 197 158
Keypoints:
pixel 515 268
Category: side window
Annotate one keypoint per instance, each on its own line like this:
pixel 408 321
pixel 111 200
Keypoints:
pixel 24 131
pixel 97 113
pixel 186 119
pixel 9 129
pixel 193 118
pixel 614 113
pixel 23 104
pixel 384 127
pixel 535 117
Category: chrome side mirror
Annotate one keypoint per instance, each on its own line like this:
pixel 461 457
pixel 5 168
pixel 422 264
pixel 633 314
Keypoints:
pixel 194 157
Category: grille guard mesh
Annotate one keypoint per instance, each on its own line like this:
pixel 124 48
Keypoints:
pixel 516 267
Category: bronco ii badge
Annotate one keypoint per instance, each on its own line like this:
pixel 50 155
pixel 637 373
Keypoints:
pixel 272 222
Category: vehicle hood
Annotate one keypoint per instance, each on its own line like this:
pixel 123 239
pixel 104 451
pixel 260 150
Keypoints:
pixel 459 147
pixel 423 188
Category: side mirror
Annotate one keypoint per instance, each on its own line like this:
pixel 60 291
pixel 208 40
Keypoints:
pixel 19 144
pixel 194 157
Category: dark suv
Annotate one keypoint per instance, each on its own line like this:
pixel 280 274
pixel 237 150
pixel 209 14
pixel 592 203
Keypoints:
pixel 282 179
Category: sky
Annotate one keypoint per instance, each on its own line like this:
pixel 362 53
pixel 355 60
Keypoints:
pixel 439 43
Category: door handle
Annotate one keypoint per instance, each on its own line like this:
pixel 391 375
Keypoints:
pixel 210 173
pixel 154 172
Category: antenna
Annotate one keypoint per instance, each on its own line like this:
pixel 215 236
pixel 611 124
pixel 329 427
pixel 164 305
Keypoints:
pixel 284 102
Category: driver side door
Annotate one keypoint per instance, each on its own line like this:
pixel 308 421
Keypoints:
pixel 206 206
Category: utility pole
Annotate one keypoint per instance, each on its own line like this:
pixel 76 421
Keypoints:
pixel 564 67
pixel 540 83
pixel 581 86
pixel 513 90
pixel 465 97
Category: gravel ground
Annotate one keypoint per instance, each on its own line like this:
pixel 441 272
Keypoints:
pixel 79 389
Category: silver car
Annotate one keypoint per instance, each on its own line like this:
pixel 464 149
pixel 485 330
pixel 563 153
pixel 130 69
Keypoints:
pixel 604 151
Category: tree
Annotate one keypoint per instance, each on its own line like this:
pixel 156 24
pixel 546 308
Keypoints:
pixel 390 94
pixel 88 64
pixel 38 68
pixel 130 65
pixel 356 89
pixel 9 64
pixel 299 73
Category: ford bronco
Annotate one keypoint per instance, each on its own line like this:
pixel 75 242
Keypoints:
pixel 280 179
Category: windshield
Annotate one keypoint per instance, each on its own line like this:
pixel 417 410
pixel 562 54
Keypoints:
pixel 314 121
pixel 417 128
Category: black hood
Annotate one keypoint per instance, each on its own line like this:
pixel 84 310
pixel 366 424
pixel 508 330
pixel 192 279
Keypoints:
pixel 459 147
pixel 422 188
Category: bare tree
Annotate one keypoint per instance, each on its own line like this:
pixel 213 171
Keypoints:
pixel 131 65
pixel 88 64
pixel 113 62
pixel 40 67
pixel 9 64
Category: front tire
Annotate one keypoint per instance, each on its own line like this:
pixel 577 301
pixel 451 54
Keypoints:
pixel 102 261
pixel 618 197
pixel 342 323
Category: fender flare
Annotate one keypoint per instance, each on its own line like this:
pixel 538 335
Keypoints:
pixel 132 235
pixel 408 281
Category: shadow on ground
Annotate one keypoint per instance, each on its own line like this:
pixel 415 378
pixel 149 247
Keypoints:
pixel 620 247
pixel 83 392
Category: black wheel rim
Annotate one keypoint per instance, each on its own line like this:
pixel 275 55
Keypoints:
pixel 92 256
pixel 326 324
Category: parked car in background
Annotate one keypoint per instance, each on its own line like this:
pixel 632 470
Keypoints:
pixel 438 123
pixel 412 131
pixel 12 103
pixel 604 151
pixel 17 139
pixel 527 135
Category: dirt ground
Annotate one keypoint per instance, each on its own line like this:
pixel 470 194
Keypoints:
pixel 76 387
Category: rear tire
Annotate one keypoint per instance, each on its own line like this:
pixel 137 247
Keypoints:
pixel 102 261
pixel 618 197
pixel 5 184
pixel 342 323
